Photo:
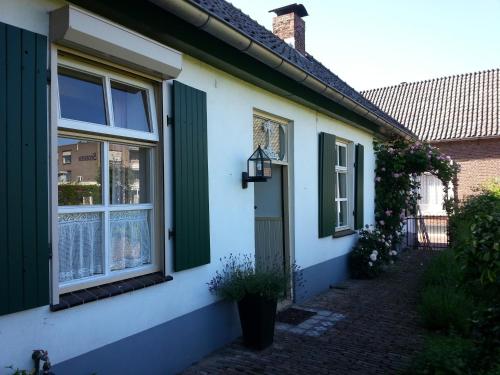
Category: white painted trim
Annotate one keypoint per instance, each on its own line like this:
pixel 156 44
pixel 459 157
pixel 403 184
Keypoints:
pixel 74 26
pixel 54 233
pixel 168 175
pixel 348 170
pixel 87 67
pixel 105 134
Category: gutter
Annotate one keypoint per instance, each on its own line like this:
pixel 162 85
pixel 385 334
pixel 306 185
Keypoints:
pixel 222 30
pixel 465 139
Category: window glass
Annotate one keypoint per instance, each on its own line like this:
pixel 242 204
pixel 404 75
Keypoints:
pixel 130 107
pixel 79 172
pixel 342 214
pixel 80 245
pixel 129 174
pixel 342 185
pixel 342 156
pixel 130 239
pixel 81 96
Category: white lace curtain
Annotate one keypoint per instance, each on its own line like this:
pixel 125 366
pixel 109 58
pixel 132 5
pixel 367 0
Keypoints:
pixel 130 239
pixel 81 243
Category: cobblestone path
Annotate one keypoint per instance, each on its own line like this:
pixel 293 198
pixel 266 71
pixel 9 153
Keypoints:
pixel 378 333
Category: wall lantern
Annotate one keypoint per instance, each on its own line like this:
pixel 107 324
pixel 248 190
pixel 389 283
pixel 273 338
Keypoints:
pixel 258 168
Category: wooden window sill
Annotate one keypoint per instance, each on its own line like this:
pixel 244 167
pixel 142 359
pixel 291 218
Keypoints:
pixel 82 296
pixel 343 233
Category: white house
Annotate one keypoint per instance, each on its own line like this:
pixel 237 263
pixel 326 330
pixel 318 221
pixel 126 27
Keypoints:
pixel 124 131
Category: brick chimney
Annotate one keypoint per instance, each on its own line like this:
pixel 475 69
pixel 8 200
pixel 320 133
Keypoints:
pixel 289 25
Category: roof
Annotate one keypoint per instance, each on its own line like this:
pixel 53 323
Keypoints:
pixel 292 8
pixel 454 107
pixel 233 16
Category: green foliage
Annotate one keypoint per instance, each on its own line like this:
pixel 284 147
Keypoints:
pixel 445 355
pixel 445 305
pixel 476 239
pixel 486 325
pixel 396 188
pixel 443 270
pixel 446 308
pixel 239 277
pixel 371 253
pixel 73 194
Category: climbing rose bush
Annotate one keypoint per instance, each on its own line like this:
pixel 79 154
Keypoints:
pixel 399 163
pixel 371 253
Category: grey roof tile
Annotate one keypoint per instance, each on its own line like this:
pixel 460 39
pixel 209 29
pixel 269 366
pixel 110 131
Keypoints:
pixel 459 106
pixel 225 11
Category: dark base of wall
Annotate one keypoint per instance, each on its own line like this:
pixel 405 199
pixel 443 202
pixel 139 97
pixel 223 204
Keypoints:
pixel 164 349
pixel 320 277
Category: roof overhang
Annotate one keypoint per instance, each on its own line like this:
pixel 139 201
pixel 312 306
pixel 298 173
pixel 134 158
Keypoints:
pixel 192 30
pixel 199 17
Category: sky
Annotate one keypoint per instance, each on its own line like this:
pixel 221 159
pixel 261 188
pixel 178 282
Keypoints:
pixel 378 43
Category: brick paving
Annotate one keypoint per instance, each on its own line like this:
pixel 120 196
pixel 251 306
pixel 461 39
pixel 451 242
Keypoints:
pixel 378 334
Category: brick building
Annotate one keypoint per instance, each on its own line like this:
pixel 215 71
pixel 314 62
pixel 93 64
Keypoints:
pixel 459 114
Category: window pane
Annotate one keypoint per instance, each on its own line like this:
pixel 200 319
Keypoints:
pixel 342 156
pixel 342 214
pixel 130 239
pixel 342 185
pixel 79 172
pixel 81 96
pixel 130 107
pixel 129 174
pixel 80 245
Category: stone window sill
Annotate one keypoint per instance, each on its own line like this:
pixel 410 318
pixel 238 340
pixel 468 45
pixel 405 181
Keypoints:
pixel 80 297
pixel 343 233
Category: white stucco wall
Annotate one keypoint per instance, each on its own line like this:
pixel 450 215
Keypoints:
pixel 231 103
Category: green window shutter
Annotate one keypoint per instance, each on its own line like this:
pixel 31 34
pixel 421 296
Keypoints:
pixel 24 199
pixel 327 207
pixel 359 173
pixel 191 215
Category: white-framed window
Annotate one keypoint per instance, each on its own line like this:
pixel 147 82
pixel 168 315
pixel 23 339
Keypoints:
pixel 66 157
pixel 106 210
pixel 344 193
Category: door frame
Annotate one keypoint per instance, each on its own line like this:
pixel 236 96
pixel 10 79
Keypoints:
pixel 287 197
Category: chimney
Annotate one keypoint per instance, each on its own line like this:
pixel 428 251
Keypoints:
pixel 289 25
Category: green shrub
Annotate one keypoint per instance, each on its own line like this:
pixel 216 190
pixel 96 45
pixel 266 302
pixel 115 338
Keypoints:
pixel 446 308
pixel 444 269
pixel 443 355
pixel 475 231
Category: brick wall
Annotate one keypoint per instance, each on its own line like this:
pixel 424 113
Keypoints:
pixel 479 161
pixel 292 29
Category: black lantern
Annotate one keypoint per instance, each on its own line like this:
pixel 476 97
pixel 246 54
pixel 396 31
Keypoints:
pixel 258 168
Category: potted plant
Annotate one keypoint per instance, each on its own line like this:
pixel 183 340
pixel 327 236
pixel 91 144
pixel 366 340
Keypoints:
pixel 256 290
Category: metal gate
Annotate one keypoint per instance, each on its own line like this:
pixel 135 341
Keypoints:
pixel 427 232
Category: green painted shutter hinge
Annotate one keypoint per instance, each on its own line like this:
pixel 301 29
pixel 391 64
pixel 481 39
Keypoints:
pixel 50 250
pixel 48 76
pixel 170 120
pixel 171 234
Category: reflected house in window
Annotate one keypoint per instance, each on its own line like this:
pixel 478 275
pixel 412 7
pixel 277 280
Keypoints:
pixel 79 174
pixel 128 173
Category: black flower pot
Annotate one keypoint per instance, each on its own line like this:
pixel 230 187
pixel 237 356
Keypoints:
pixel 257 315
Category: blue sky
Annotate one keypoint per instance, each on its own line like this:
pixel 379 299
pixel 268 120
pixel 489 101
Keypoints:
pixel 375 43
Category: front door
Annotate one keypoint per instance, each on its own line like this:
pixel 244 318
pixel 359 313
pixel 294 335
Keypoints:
pixel 269 223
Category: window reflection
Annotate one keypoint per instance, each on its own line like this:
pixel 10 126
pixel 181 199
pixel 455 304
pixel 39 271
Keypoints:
pixel 130 107
pixel 81 96
pixel 128 174
pixel 79 172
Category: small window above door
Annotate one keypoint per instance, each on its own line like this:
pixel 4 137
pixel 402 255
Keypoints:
pixel 272 136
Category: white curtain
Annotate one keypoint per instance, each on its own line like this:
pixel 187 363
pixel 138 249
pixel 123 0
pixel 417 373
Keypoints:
pixel 80 245
pixel 130 239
